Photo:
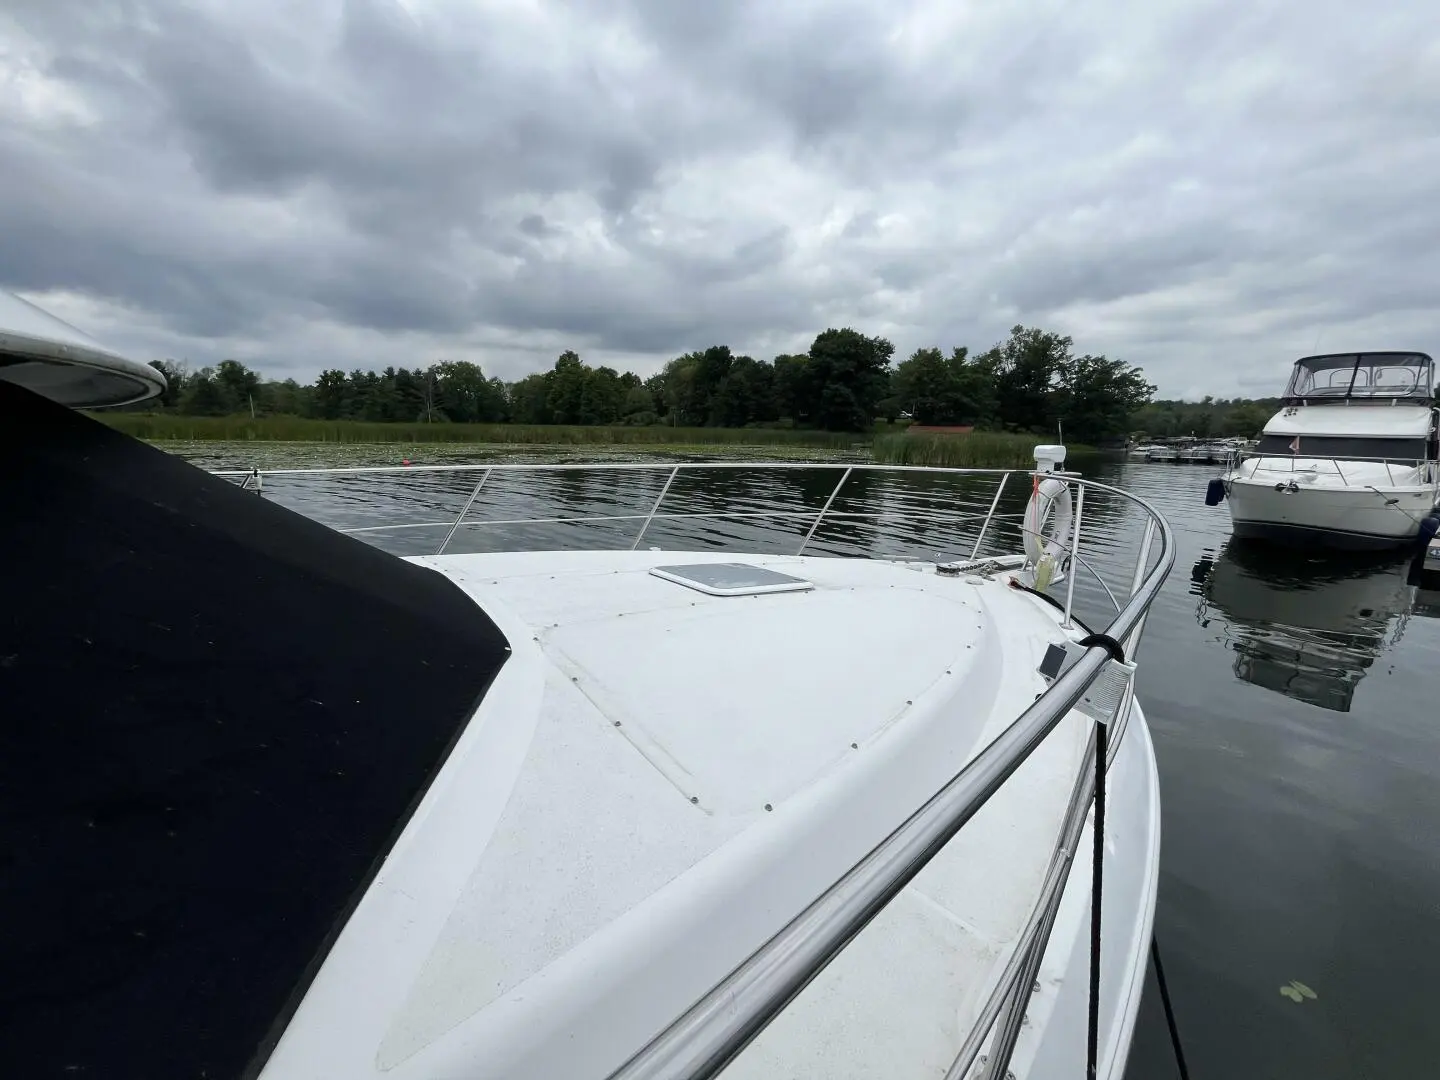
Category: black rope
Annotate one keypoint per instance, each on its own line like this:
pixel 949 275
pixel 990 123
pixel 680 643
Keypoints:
pixel 1092 1044
pixel 1169 1011
pixel 1113 647
pixel 1056 604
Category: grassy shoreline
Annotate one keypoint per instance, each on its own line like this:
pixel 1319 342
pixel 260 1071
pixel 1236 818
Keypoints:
pixel 981 449
pixel 977 450
pixel 165 427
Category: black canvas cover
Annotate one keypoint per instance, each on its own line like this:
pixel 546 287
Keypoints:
pixel 217 717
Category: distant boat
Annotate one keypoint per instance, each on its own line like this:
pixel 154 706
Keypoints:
pixel 1349 461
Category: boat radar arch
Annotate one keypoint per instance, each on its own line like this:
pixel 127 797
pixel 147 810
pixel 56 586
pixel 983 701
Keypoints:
pixel 52 358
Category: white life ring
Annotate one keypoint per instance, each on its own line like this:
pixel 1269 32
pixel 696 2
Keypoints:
pixel 1047 522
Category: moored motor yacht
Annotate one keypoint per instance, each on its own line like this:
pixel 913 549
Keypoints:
pixel 281 804
pixel 1349 461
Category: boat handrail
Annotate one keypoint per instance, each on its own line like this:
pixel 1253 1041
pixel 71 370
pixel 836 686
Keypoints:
pixel 1337 463
pixel 711 1031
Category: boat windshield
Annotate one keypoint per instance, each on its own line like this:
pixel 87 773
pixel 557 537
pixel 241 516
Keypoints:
pixel 1346 376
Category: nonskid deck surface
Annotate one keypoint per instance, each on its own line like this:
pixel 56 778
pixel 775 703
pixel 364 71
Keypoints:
pixel 679 774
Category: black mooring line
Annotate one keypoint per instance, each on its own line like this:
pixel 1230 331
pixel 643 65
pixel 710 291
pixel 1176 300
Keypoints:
pixel 1169 1010
pixel 1092 1042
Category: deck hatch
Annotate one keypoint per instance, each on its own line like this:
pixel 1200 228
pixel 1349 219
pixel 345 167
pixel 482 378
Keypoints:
pixel 731 579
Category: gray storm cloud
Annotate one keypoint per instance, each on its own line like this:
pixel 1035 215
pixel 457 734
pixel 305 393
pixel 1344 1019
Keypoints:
pixel 1204 189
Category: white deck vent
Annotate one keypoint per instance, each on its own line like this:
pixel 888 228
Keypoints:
pixel 731 579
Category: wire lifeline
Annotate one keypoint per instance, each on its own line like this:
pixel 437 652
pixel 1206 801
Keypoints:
pixel 1092 1040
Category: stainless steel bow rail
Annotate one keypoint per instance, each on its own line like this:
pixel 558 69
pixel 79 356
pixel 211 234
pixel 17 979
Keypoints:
pixel 490 475
pixel 1286 465
pixel 709 1033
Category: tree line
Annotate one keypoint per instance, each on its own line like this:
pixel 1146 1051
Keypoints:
pixel 1208 418
pixel 845 381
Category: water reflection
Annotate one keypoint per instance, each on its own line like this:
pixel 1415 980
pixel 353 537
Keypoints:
pixel 1307 627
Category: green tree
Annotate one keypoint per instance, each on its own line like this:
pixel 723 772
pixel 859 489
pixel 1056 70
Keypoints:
pixel 680 392
pixel 1026 369
pixel 712 367
pixel 175 373
pixel 850 370
pixel 530 399
pixel 746 394
pixel 566 388
pixel 937 389
pixel 639 406
pixel 463 393
pixel 286 398
pixel 1097 397
pixel 602 396
pixel 364 396
pixel 329 396
pixel 1246 419
pixel 795 390
pixel 205 395
pixel 239 383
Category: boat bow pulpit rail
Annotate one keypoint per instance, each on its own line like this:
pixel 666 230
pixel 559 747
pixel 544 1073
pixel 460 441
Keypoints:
pixel 707 1034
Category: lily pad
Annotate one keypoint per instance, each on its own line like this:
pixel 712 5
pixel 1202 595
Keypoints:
pixel 1297 991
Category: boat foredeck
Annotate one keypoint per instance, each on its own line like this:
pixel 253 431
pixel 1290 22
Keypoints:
pixel 672 776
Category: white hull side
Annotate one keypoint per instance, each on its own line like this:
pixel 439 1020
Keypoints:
pixel 1326 513
pixel 1132 881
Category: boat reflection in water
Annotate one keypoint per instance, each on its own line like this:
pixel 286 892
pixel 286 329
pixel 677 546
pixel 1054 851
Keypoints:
pixel 1308 628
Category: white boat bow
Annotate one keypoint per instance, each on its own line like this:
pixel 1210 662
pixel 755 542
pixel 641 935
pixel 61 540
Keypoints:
pixel 301 809
pixel 702 787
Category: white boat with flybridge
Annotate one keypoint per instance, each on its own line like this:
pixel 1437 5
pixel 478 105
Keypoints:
pixel 291 806
pixel 1349 461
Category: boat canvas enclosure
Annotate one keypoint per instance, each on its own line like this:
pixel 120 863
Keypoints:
pixel 1367 376
pixel 218 717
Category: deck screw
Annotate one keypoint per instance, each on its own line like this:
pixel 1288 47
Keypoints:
pixel 854 746
pixel 1036 988
pixel 768 806
pixel 695 799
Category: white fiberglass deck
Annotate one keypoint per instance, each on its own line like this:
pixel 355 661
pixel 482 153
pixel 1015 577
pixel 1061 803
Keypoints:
pixel 661 779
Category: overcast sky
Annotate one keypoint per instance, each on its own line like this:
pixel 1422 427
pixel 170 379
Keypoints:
pixel 1204 189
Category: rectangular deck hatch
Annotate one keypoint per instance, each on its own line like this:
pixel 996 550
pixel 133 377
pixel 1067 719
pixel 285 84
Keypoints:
pixel 731 579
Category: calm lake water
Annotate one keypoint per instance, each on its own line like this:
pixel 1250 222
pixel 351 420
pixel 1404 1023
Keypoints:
pixel 1292 701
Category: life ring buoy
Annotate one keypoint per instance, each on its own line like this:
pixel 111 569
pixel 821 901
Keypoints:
pixel 1048 517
